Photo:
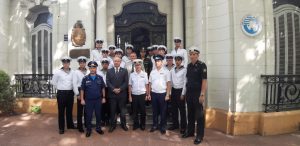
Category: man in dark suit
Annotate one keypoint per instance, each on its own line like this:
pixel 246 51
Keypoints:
pixel 117 83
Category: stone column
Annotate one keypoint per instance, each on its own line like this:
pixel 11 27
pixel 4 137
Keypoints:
pixel 177 18
pixel 4 30
pixel 198 25
pixel 101 27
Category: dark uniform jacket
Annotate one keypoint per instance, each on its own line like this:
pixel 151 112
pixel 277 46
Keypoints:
pixel 92 88
pixel 195 74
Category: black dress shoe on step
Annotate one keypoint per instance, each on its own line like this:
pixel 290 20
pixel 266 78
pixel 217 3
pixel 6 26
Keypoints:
pixel 182 131
pixel 186 135
pixel 163 132
pixel 81 130
pixel 197 140
pixel 124 127
pixel 172 128
pixel 111 129
pixel 88 134
pixel 135 127
pixel 100 132
pixel 153 129
pixel 61 131
pixel 142 128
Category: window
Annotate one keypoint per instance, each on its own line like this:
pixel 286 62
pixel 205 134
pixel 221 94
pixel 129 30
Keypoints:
pixel 287 39
pixel 41 44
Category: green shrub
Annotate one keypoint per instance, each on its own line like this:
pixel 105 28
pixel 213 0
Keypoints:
pixel 7 100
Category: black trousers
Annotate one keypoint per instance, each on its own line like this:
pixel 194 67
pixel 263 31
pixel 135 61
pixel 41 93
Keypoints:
pixel 195 112
pixel 138 106
pixel 115 103
pixel 65 100
pixel 178 104
pixel 159 107
pixel 105 109
pixel 80 112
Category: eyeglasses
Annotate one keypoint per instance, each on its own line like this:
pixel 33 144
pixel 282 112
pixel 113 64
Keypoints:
pixel 137 62
pixel 177 40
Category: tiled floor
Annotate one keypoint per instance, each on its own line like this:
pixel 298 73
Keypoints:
pixel 41 130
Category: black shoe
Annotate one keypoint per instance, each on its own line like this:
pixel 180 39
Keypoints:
pixel 61 131
pixel 186 135
pixel 198 140
pixel 163 132
pixel 135 127
pixel 124 127
pixel 72 127
pixel 111 129
pixel 173 128
pixel 100 132
pixel 182 131
pixel 153 129
pixel 81 130
pixel 88 134
pixel 142 127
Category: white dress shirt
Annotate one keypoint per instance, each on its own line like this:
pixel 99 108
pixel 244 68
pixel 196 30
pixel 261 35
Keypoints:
pixel 96 55
pixel 159 79
pixel 138 82
pixel 78 76
pixel 125 59
pixel 183 53
pixel 103 73
pixel 62 80
pixel 178 78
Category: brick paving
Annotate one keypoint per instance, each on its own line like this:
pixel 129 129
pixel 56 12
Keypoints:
pixel 41 130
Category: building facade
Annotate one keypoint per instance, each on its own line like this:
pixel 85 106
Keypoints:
pixel 35 34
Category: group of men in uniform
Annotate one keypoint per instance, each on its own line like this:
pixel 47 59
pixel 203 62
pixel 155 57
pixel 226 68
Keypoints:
pixel 114 77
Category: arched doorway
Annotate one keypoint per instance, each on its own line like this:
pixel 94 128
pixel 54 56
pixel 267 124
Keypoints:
pixel 140 24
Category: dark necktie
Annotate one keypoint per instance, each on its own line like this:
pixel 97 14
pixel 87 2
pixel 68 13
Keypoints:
pixel 132 68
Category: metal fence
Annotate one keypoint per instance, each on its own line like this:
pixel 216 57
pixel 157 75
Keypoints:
pixel 34 85
pixel 282 92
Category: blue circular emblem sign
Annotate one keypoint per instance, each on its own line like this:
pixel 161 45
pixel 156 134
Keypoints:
pixel 251 26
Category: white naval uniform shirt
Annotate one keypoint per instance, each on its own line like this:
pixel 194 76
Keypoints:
pixel 103 73
pixel 138 82
pixel 62 80
pixel 129 67
pixel 96 55
pixel 183 53
pixel 178 78
pixel 159 79
pixel 125 59
pixel 78 76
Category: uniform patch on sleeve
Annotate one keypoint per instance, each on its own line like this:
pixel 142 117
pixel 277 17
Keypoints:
pixel 204 70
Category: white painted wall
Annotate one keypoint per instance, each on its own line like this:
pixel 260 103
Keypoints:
pixel 4 33
pixel 253 56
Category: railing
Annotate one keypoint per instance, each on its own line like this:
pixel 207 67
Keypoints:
pixel 34 85
pixel 282 92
